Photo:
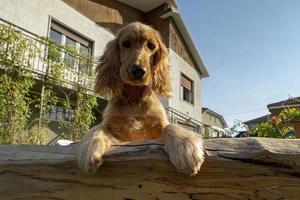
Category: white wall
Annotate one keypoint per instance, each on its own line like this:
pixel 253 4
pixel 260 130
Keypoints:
pixel 33 15
pixel 178 66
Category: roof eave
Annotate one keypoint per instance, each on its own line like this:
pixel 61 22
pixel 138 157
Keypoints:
pixel 144 6
pixel 283 106
pixel 174 13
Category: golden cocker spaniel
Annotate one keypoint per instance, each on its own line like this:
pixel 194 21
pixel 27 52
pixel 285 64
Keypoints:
pixel 133 71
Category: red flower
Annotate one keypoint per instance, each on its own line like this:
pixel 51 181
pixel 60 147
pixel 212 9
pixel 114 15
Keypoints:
pixel 274 119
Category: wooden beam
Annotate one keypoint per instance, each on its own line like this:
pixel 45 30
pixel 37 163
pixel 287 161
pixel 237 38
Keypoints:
pixel 248 168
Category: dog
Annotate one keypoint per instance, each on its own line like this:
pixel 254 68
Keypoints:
pixel 133 71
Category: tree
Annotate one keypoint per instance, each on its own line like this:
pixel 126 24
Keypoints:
pixel 238 126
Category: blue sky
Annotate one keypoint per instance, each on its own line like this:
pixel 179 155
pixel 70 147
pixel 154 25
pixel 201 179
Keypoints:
pixel 251 49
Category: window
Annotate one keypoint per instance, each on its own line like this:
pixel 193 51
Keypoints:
pixel 83 65
pixel 59 113
pixel 69 59
pixel 64 36
pixel 53 53
pixel 55 36
pixel 186 87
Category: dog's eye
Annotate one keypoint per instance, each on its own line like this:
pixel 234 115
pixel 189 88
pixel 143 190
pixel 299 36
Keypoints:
pixel 150 45
pixel 126 44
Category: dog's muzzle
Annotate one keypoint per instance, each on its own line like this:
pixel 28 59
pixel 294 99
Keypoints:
pixel 137 72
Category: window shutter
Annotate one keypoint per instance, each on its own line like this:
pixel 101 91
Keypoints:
pixel 56 26
pixel 185 82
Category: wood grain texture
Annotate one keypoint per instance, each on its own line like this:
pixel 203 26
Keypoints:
pixel 111 14
pixel 252 168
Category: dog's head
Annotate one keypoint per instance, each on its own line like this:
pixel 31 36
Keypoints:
pixel 136 57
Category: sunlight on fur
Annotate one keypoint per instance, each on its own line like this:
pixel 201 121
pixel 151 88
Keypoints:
pixel 132 72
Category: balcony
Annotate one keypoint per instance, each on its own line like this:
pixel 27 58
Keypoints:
pixel 43 58
pixel 184 120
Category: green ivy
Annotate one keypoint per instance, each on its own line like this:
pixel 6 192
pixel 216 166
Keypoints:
pixel 15 84
pixel 14 107
pixel 17 80
pixel 82 117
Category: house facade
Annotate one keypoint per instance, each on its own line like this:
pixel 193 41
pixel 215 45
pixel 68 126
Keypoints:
pixel 251 124
pixel 275 109
pixel 214 123
pixel 88 25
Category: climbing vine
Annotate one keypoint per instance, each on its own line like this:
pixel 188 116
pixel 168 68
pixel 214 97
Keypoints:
pixel 82 117
pixel 18 56
pixel 84 102
pixel 15 84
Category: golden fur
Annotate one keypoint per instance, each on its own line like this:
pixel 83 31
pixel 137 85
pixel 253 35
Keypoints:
pixel 134 111
pixel 113 70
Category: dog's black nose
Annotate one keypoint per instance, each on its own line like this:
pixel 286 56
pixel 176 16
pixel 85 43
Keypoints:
pixel 138 72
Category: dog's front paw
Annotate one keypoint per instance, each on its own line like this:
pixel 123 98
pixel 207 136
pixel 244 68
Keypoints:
pixel 90 156
pixel 185 150
pixel 186 154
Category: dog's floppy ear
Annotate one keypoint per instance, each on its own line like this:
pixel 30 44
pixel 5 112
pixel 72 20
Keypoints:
pixel 161 75
pixel 107 71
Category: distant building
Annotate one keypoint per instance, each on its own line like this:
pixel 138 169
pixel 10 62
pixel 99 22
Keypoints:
pixel 275 109
pixel 214 123
pixel 254 122
pixel 293 102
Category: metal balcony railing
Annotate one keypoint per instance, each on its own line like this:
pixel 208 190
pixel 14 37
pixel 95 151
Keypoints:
pixel 41 63
pixel 75 70
pixel 184 120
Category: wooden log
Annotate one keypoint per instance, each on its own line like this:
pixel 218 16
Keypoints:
pixel 248 168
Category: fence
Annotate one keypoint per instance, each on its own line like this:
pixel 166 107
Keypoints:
pixel 77 68
pixel 184 120
pixel 45 54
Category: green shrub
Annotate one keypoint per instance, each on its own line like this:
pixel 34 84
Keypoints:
pixel 278 126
